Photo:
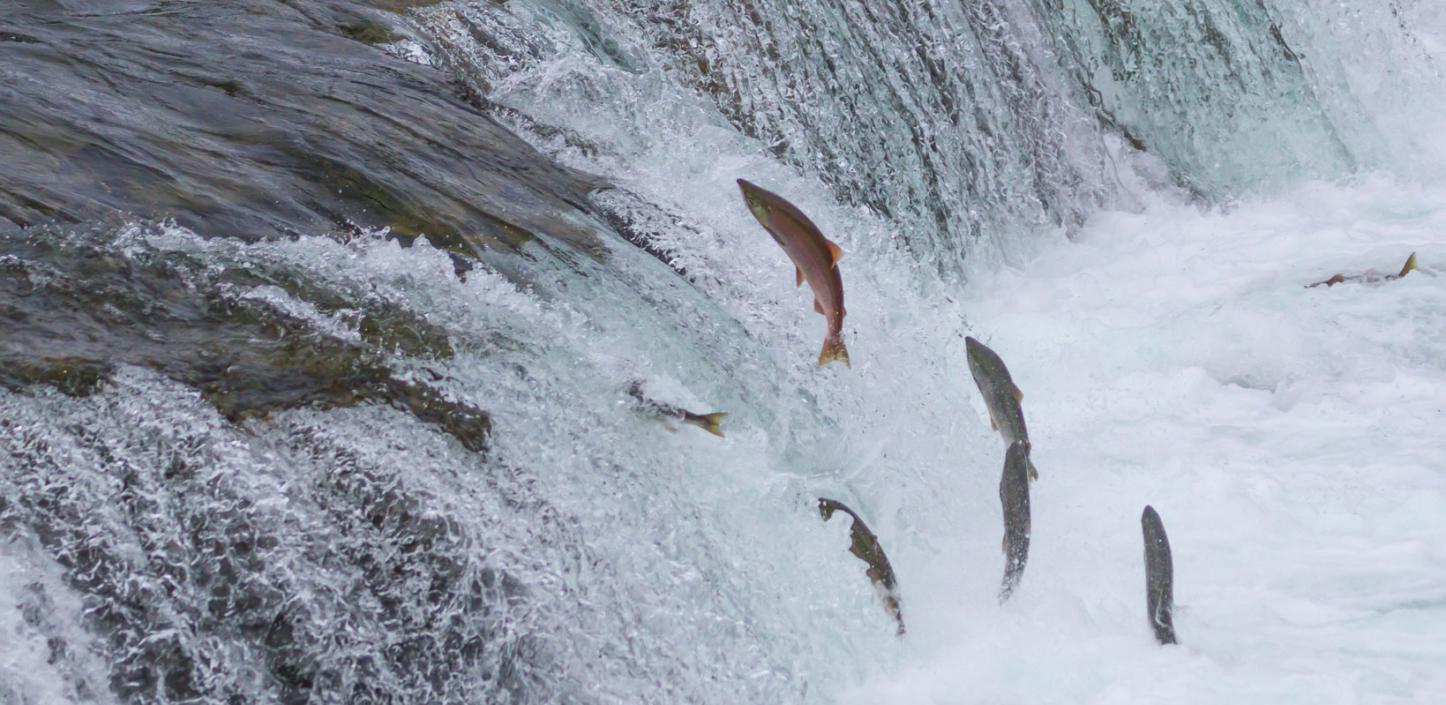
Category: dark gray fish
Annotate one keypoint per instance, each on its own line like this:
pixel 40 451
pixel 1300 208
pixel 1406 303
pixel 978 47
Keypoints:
pixel 707 422
pixel 1014 496
pixel 865 546
pixel 1001 396
pixel 1159 577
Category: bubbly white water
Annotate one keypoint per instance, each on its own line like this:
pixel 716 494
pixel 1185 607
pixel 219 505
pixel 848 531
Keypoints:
pixel 1291 439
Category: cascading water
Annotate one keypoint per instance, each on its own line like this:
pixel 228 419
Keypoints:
pixel 319 320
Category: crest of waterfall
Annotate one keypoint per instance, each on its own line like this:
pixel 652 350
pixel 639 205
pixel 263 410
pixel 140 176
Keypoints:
pixel 948 120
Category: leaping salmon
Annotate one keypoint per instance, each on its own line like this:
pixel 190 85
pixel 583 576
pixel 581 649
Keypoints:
pixel 1001 396
pixel 1014 499
pixel 707 422
pixel 1159 577
pixel 865 546
pixel 815 259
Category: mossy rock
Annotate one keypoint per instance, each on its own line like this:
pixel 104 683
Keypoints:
pixel 369 32
pixel 95 310
pixel 74 377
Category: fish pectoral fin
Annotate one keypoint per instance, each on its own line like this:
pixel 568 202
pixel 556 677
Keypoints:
pixel 834 250
pixel 799 277
pixel 818 306
pixel 1018 395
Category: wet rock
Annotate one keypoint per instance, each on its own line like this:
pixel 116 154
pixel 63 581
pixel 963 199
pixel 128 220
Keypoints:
pixel 316 133
pixel 368 32
pixel 87 311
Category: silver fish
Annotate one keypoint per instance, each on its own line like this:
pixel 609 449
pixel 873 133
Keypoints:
pixel 707 422
pixel 1159 577
pixel 1001 396
pixel 1014 497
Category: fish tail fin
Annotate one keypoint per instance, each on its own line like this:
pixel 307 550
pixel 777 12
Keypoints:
pixel 1410 265
pixel 833 349
pixel 710 423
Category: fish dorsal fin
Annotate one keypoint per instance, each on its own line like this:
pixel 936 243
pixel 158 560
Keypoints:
pixel 799 277
pixel 817 306
pixel 1018 395
pixel 834 250
pixel 1410 265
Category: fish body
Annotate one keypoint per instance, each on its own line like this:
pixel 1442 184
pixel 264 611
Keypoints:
pixel 815 259
pixel 865 546
pixel 1159 577
pixel 708 422
pixel 1369 276
pixel 1014 498
pixel 1001 396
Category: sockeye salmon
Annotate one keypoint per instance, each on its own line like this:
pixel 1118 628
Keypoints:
pixel 815 260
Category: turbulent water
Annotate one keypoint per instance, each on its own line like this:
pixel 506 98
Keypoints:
pixel 319 320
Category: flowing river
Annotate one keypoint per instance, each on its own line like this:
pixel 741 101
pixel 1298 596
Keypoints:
pixel 318 321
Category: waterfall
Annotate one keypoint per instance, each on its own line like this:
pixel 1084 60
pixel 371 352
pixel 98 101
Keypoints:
pixel 321 316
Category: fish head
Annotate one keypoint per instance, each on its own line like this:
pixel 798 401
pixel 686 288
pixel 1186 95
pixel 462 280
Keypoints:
pixel 757 204
pixel 980 363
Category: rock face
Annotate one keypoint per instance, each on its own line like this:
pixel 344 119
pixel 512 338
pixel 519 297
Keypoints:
pixel 251 120
pixel 258 119
pixel 199 576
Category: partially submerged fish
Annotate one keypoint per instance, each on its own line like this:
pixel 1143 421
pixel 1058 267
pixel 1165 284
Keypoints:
pixel 707 422
pixel 1001 396
pixel 1014 498
pixel 815 260
pixel 1369 276
pixel 865 545
pixel 1159 577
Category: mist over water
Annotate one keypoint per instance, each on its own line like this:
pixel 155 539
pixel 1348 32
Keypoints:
pixel 338 412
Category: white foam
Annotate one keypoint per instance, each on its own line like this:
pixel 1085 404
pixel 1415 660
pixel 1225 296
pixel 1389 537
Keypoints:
pixel 1289 437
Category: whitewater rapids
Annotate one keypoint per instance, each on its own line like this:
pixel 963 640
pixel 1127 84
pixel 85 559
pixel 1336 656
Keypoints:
pixel 1290 438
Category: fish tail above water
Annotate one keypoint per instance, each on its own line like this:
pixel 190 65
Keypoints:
pixel 834 350
pixel 1410 266
pixel 709 422
pixel 1159 577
